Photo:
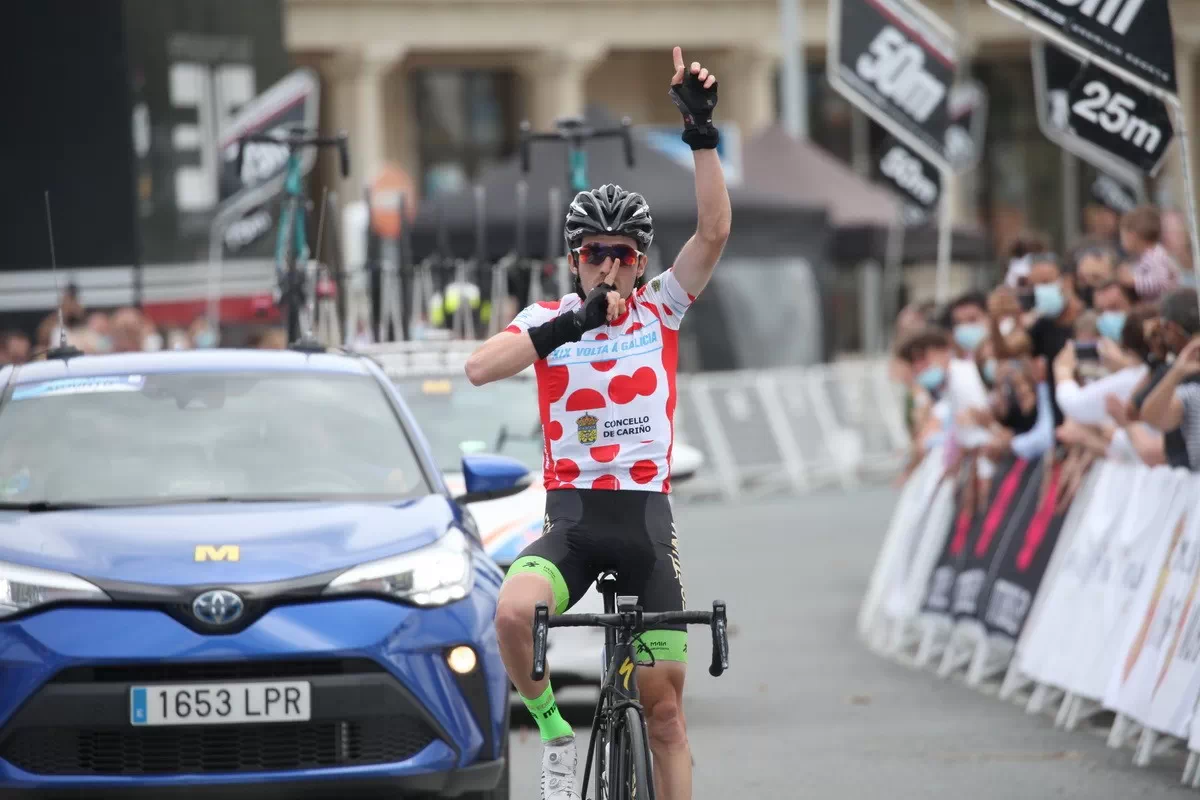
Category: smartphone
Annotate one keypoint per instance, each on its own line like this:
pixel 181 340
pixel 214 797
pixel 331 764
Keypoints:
pixel 1026 300
pixel 1087 352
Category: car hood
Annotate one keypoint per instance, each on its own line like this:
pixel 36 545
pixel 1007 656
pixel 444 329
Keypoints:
pixel 194 543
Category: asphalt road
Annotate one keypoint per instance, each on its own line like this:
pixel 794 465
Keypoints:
pixel 806 711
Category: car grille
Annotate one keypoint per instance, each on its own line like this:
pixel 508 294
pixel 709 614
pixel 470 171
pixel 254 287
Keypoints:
pixel 216 671
pixel 225 749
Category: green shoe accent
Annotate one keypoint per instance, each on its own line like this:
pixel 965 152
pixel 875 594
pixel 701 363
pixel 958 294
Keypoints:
pixel 540 566
pixel 545 714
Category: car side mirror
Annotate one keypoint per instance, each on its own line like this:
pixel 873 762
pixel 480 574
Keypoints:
pixel 489 477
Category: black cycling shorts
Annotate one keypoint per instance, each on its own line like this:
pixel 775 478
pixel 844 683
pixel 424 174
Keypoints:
pixel 589 531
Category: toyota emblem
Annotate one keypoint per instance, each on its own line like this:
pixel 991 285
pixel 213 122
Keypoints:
pixel 218 607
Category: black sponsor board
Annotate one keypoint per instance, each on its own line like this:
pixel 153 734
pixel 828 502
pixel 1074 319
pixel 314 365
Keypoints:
pixel 1119 118
pixel 1016 573
pixel 1133 35
pixel 970 517
pixel 1007 507
pixel 897 63
pixel 912 176
pixel 248 202
pixel 1056 75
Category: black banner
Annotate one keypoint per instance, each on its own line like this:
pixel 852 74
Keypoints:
pixel 967 526
pixel 1119 118
pixel 897 65
pixel 1135 35
pixel 1016 574
pixel 1056 75
pixel 1009 510
pixel 906 171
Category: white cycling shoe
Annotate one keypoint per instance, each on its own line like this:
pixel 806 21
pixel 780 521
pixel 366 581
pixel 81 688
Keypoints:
pixel 559 760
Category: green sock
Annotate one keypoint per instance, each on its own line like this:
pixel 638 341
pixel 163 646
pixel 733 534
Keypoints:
pixel 545 713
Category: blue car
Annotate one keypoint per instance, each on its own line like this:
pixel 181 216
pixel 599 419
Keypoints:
pixel 240 572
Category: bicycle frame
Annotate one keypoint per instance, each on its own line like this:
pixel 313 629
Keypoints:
pixel 293 190
pixel 292 288
pixel 618 688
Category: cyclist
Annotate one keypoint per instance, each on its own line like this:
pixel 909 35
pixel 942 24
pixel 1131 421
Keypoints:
pixel 605 361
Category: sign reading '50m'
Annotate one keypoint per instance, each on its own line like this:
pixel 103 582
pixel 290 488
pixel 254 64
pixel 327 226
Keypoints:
pixel 897 63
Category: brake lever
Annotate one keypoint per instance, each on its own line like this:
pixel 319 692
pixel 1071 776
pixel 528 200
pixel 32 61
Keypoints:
pixel 720 640
pixel 541 625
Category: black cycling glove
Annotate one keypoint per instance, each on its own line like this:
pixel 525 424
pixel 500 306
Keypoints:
pixel 696 104
pixel 549 336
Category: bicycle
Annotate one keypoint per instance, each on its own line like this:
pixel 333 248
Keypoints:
pixel 619 726
pixel 575 131
pixel 291 242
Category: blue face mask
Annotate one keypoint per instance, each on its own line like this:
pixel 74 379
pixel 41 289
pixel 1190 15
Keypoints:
pixel 989 371
pixel 1110 324
pixel 1048 299
pixel 205 339
pixel 932 378
pixel 970 336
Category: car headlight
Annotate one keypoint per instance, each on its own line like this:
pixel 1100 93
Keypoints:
pixel 23 588
pixel 435 575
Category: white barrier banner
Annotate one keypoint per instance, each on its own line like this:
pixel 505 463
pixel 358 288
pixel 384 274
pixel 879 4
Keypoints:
pixel 1041 637
pixel 1137 544
pixel 1053 659
pixel 1178 685
pixel 904 601
pixel 902 538
pixel 1144 643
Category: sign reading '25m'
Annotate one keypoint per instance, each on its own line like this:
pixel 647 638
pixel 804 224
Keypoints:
pixel 897 63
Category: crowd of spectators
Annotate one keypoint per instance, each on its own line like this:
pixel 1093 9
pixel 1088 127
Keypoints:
pixel 125 330
pixel 1095 354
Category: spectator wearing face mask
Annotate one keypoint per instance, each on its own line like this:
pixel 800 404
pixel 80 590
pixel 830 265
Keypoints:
pixel 1020 254
pixel 1167 335
pixel 1154 272
pixel 1057 309
pixel 955 386
pixel 967 319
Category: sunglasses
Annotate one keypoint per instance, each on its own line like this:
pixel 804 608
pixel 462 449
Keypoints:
pixel 597 254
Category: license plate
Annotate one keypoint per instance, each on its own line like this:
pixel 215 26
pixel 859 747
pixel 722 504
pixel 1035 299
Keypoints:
pixel 220 703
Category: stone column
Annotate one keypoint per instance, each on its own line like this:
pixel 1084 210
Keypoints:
pixel 359 78
pixel 555 82
pixel 749 75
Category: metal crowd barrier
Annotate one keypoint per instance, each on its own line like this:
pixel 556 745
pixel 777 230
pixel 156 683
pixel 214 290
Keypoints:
pixel 792 430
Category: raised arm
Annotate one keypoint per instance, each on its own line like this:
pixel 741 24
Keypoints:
pixel 694 91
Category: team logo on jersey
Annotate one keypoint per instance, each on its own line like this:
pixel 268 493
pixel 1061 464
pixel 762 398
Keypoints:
pixel 587 429
pixel 656 284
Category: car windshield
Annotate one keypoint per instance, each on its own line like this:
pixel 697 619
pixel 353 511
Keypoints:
pixel 459 419
pixel 204 435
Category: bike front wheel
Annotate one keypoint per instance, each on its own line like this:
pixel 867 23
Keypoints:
pixel 630 760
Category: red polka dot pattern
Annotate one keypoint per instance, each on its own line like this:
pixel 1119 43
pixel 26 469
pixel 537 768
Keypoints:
pixel 554 430
pixel 557 379
pixel 606 482
pixel 587 399
pixel 634 328
pixel 643 471
pixel 605 453
pixel 566 470
pixel 623 389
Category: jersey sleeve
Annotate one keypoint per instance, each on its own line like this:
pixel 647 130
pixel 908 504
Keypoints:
pixel 667 298
pixel 534 315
